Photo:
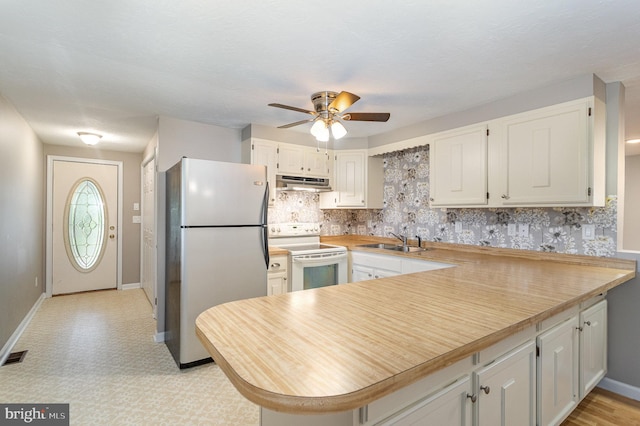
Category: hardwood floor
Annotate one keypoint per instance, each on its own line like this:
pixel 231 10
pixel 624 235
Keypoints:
pixel 602 407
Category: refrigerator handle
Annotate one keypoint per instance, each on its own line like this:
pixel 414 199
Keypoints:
pixel 265 225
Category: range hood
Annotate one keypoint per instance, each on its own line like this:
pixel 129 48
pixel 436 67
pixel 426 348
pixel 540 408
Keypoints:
pixel 302 183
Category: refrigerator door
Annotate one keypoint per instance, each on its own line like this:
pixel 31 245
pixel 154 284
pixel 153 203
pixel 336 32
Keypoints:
pixel 218 194
pixel 219 265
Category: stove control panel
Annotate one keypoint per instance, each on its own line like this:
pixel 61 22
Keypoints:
pixel 293 229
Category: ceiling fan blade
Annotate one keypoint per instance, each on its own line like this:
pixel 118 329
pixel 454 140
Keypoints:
pixel 306 111
pixel 343 101
pixel 297 123
pixel 366 116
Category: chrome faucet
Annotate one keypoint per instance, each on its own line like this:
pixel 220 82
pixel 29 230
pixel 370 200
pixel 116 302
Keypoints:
pixel 402 238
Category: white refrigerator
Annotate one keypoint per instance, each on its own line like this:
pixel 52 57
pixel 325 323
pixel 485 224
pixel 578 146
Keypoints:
pixel 216 245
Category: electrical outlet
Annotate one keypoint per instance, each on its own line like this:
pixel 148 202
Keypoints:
pixel 588 232
pixel 512 231
pixel 137 219
pixel 523 230
pixel 136 206
pixel 458 227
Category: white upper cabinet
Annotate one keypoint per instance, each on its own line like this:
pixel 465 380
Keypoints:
pixel 552 156
pixel 548 156
pixel 265 153
pixel 291 160
pixel 358 182
pixel 302 161
pixel 458 162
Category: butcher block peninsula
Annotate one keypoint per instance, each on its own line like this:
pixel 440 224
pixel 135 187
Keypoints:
pixel 476 342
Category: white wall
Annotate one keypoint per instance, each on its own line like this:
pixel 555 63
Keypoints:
pixel 631 229
pixel 180 138
pixel 21 219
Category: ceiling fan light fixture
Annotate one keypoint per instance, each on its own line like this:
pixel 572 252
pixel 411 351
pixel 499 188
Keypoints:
pixel 323 136
pixel 338 130
pixel 89 138
pixel 319 128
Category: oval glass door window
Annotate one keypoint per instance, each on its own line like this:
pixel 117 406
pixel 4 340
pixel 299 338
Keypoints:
pixel 85 225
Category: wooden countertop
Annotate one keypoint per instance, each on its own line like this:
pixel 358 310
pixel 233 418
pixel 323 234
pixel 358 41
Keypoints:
pixel 277 251
pixel 338 348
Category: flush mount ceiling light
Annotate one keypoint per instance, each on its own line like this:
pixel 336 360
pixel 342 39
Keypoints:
pixel 328 114
pixel 89 138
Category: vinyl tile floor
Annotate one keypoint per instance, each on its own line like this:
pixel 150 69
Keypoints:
pixel 96 352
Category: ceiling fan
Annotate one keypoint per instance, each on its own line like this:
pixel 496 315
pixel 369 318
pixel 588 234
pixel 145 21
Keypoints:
pixel 329 114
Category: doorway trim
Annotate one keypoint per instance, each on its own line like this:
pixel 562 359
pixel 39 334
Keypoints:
pixel 49 226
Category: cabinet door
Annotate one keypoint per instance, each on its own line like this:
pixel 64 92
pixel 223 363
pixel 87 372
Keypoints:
pixel 548 156
pixel 459 168
pixel 450 406
pixel 290 159
pixel 316 163
pixel 350 175
pixel 383 273
pixel 276 283
pixel 506 389
pixel 266 153
pixel 593 346
pixel 558 372
pixel 361 273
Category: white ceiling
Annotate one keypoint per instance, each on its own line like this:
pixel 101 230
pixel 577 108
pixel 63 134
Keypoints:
pixel 114 66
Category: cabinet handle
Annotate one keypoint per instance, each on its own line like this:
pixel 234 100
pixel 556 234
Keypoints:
pixel 505 197
pixel 588 323
pixel 302 168
pixel 579 328
pixel 275 265
pixel 431 199
pixel 473 398
pixel 486 389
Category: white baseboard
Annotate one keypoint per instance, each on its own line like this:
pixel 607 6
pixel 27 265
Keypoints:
pixel 620 388
pixel 159 337
pixel 131 286
pixel 6 349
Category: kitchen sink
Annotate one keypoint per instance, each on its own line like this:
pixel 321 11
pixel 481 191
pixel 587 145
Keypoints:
pixel 394 247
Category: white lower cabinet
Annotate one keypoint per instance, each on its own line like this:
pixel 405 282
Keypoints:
pixel 368 266
pixel 506 389
pixel 558 372
pixel 277 275
pixel 593 346
pixel 450 406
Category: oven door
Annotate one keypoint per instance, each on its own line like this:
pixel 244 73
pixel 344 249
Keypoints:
pixel 318 270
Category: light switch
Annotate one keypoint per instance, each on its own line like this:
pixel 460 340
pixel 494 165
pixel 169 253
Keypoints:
pixel 588 232
pixel 512 231
pixel 458 227
pixel 136 206
pixel 523 230
pixel 137 219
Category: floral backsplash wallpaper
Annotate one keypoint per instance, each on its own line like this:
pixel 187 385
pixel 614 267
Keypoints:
pixel 406 211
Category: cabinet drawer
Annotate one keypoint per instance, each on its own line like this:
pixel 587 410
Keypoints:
pixel 277 264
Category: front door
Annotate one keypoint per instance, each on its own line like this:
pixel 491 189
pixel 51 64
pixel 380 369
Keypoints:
pixel 84 225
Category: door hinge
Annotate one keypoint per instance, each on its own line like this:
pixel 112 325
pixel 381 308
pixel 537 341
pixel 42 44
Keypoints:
pixel 278 150
pixel 252 147
pixel 589 112
pixel 156 301
pixel 277 165
pixel 487 132
pixel 537 351
pixel 589 191
pixel 487 195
